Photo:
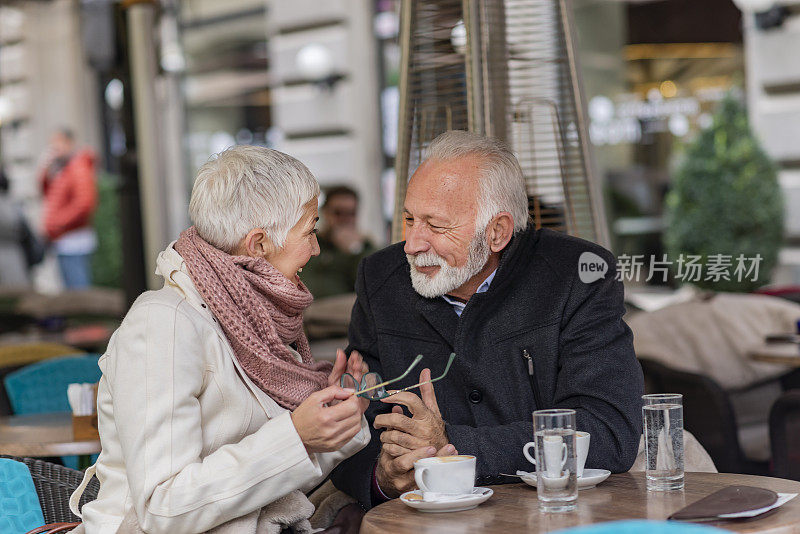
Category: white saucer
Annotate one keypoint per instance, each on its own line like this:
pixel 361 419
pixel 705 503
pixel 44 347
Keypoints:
pixel 590 478
pixel 414 500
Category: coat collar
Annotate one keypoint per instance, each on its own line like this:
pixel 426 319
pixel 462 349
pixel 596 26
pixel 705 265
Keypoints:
pixel 440 315
pixel 518 251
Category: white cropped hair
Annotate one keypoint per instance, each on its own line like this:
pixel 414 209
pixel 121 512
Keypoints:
pixel 246 187
pixel 502 187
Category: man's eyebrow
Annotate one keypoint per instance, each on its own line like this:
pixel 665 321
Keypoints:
pixel 439 219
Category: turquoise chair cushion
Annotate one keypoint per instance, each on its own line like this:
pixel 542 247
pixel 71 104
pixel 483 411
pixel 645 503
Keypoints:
pixel 20 511
pixel 42 387
pixel 643 527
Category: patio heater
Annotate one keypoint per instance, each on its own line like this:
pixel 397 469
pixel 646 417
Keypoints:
pixel 505 68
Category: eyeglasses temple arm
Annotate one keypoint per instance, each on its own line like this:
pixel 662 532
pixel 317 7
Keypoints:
pixel 410 367
pixel 446 369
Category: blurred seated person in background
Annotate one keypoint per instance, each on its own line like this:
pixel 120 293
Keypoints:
pixel 341 246
pixel 211 408
pixel 69 187
pixel 475 277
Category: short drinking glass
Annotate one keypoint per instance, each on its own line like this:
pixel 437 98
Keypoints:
pixel 663 440
pixel 556 480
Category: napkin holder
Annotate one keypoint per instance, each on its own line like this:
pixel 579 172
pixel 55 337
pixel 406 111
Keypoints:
pixel 84 427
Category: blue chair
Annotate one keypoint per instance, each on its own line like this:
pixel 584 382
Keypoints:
pixel 643 527
pixel 19 503
pixel 42 386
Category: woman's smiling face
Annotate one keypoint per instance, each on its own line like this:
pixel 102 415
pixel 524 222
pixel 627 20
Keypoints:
pixel 300 244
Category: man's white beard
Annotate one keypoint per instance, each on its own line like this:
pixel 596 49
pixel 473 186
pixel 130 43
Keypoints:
pixel 447 278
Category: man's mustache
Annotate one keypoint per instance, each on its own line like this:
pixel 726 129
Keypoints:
pixel 425 259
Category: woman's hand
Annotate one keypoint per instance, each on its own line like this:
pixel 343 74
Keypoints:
pixel 324 428
pixel 355 366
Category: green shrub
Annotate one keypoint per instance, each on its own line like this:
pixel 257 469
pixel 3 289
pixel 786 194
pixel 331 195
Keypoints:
pixel 107 259
pixel 726 199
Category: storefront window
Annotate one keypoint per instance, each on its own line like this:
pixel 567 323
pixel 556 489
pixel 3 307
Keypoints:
pixel 227 82
pixel 650 86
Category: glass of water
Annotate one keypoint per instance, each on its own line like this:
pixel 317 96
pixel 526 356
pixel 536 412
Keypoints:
pixel 663 440
pixel 556 480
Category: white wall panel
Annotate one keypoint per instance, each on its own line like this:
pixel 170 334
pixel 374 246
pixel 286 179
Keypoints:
pixel 330 159
pixel 285 47
pixel 309 108
pixel 13 63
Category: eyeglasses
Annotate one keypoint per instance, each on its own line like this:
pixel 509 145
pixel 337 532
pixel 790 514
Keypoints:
pixel 373 387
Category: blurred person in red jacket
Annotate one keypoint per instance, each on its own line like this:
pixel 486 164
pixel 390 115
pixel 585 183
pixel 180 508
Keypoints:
pixel 70 198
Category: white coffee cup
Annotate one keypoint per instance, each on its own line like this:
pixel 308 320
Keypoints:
pixel 555 447
pixel 581 451
pixel 451 475
pixel 555 454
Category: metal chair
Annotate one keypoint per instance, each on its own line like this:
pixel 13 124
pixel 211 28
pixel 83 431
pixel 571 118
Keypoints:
pixel 784 433
pixel 54 485
pixel 707 413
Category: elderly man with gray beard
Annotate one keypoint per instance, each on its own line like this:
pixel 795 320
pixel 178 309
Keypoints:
pixel 474 277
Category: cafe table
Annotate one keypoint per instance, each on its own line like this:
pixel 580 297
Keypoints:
pixel 44 434
pixel 515 508
pixel 781 353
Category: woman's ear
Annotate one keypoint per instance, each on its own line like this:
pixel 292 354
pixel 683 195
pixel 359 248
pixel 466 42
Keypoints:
pixel 499 231
pixel 257 244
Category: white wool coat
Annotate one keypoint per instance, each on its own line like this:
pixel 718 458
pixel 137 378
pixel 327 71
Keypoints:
pixel 188 441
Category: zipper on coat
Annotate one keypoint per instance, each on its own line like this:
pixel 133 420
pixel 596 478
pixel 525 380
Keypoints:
pixel 532 377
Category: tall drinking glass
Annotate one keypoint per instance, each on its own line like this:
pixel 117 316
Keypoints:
pixel 663 440
pixel 556 480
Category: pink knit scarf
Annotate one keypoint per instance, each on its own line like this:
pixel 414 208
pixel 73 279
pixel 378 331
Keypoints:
pixel 260 311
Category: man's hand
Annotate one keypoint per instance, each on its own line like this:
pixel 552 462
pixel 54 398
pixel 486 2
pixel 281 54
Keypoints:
pixel 347 239
pixel 395 475
pixel 355 365
pixel 425 428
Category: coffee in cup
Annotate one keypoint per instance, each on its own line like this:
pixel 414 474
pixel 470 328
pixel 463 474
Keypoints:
pixel 450 475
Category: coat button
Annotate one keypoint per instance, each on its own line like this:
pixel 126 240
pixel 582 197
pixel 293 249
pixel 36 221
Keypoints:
pixel 475 396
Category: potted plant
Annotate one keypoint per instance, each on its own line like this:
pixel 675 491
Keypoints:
pixel 726 202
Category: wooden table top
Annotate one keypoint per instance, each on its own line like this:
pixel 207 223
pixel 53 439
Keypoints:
pixel 782 353
pixel 515 508
pixel 37 435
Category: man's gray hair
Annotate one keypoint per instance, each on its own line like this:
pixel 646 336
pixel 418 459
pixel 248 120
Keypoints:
pixel 246 187
pixel 502 187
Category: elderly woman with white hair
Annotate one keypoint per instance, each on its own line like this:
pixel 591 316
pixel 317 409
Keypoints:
pixel 213 414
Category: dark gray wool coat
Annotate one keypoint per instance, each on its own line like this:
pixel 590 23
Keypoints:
pixel 582 354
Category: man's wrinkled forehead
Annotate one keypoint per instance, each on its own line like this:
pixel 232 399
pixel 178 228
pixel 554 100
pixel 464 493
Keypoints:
pixel 440 187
